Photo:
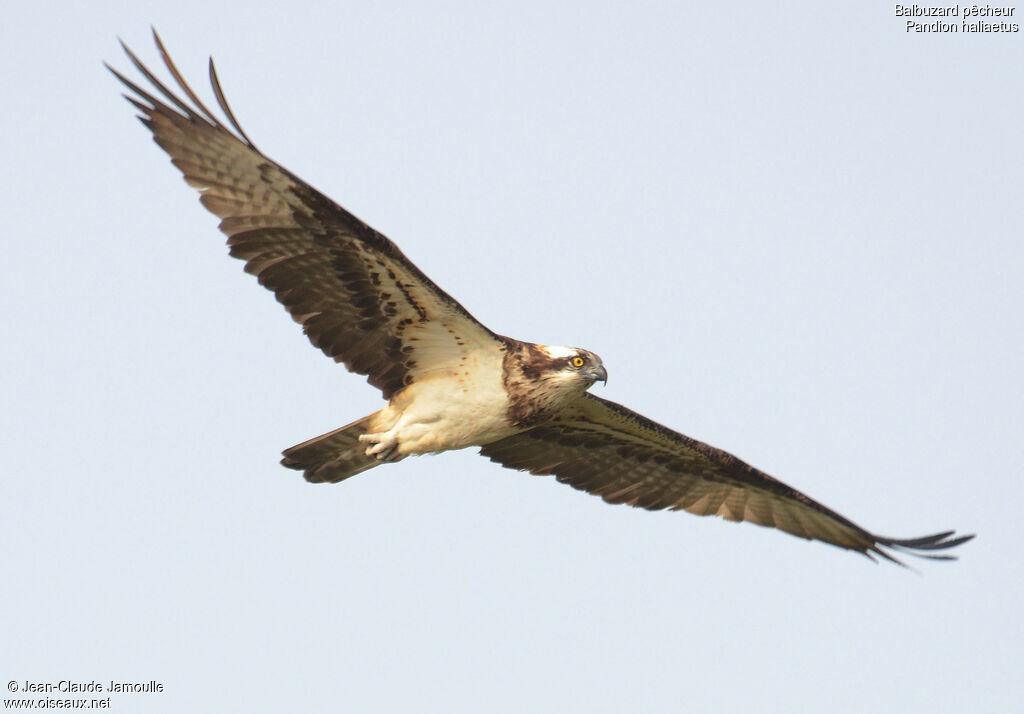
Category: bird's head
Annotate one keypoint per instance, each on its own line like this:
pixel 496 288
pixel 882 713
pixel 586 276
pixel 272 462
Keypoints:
pixel 574 368
pixel 542 379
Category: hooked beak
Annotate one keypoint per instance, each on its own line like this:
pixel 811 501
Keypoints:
pixel 598 372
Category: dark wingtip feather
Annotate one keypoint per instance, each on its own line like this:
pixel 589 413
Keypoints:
pixel 225 107
pixel 922 547
pixel 180 80
pixel 199 110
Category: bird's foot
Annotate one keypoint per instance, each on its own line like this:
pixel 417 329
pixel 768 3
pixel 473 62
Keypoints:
pixel 383 446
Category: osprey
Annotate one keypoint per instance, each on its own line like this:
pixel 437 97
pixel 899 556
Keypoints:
pixel 449 381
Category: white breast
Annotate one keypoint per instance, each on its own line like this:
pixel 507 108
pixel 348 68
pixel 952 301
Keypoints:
pixel 451 408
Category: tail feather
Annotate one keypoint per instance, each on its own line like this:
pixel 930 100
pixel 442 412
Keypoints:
pixel 333 456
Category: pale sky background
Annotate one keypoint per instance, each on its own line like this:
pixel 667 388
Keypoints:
pixel 793 231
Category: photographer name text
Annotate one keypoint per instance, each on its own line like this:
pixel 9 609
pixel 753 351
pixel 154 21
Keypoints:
pixel 66 686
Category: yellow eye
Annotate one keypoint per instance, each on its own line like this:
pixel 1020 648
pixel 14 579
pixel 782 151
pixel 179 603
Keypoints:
pixel 578 361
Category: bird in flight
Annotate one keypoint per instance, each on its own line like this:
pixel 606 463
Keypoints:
pixel 449 381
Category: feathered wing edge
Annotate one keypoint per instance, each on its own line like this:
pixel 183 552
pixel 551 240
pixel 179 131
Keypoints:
pixel 608 450
pixel 920 547
pixel 359 299
pixel 190 112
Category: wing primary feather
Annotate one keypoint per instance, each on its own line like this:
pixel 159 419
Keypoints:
pixel 939 541
pixel 168 94
pixel 223 102
pixel 180 80
pixel 153 101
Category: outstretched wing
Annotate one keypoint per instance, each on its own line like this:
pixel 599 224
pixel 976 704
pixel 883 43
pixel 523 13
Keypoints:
pixel 605 449
pixel 357 297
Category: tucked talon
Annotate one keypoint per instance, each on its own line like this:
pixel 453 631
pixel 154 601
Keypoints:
pixel 383 447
